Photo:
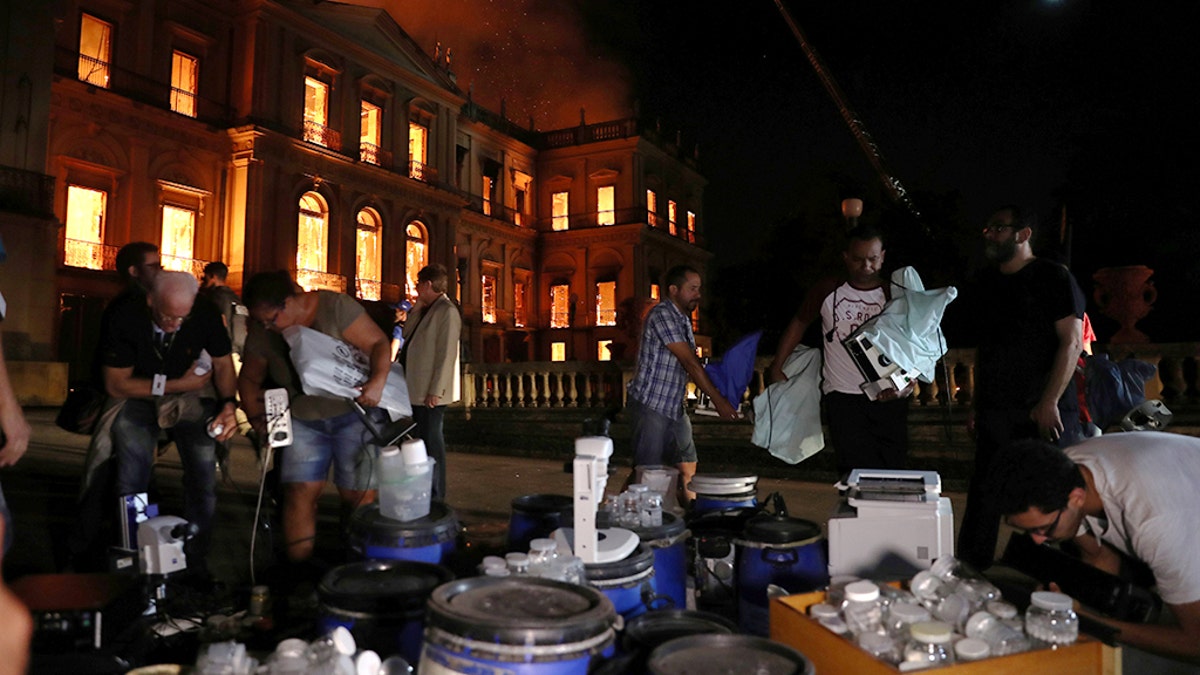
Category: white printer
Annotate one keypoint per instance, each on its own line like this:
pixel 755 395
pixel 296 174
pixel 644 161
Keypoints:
pixel 891 524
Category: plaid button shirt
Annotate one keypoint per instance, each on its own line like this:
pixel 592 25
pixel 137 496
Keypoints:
pixel 660 381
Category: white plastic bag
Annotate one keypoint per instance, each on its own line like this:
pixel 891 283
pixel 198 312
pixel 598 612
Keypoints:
pixel 330 367
pixel 787 415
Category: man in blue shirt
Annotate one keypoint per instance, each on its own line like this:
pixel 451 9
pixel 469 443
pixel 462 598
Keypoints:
pixel 662 432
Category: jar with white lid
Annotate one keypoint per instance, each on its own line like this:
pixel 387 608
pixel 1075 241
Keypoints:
pixel 1002 638
pixel 971 649
pixel 930 644
pixel 822 610
pixel 901 615
pixel 862 610
pixel 1051 619
pixel 880 646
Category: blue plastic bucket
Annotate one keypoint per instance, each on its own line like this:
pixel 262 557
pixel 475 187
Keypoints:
pixel 628 583
pixel 668 542
pixel 787 552
pixel 535 516
pixel 723 491
pixel 517 626
pixel 430 539
pixel 381 603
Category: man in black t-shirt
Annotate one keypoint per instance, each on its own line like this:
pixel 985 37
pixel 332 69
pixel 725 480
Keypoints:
pixel 158 358
pixel 1029 324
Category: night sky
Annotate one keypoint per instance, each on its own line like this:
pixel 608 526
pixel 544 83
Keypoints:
pixel 973 105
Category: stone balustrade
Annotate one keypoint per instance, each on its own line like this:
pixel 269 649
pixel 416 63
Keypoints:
pixel 583 384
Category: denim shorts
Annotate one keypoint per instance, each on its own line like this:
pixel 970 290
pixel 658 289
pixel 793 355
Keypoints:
pixel 342 441
pixel 658 439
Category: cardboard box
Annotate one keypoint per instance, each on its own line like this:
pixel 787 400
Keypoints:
pixel 833 654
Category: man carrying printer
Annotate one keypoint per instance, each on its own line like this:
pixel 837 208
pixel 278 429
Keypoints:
pixel 1134 493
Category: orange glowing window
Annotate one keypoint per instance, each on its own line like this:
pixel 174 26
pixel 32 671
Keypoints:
pixel 85 227
pixel 558 351
pixel 184 74
pixel 489 193
pixel 606 303
pixel 691 227
pixel 368 255
pixel 654 292
pixel 606 205
pixel 369 132
pixel 418 149
pixel 603 353
pixel 696 319
pixel 560 306
pixel 95 50
pixel 313 233
pixel 671 208
pixel 178 238
pixel 416 256
pixel 520 306
pixel 489 298
pixel 560 210
pixel 316 110
pixel 652 208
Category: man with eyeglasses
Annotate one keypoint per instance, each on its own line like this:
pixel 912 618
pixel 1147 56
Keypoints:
pixel 1136 493
pixel 159 360
pixel 1027 319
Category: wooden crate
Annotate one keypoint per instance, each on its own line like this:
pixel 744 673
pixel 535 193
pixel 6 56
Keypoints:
pixel 833 654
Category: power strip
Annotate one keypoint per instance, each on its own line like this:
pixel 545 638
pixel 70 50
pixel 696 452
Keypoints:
pixel 279 417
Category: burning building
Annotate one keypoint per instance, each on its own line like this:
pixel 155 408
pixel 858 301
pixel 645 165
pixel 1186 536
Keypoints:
pixel 225 130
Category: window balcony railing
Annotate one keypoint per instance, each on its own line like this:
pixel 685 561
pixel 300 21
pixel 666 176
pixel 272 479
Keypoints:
pixel 319 134
pixel 370 153
pixel 93 71
pixel 311 280
pixel 183 101
pixel 89 255
pixel 368 289
pixel 627 216
pixel 189 265
pixel 422 172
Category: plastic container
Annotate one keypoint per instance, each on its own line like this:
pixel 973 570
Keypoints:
pixel 669 542
pixel 537 515
pixel 629 583
pixel 971 649
pixel 930 644
pixel 429 539
pixel 901 615
pixel 880 646
pixel 777 550
pixel 862 610
pixel 823 610
pixel 723 491
pixel 1002 638
pixel 1051 619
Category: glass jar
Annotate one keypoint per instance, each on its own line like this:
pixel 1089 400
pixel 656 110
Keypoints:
pixel 822 610
pixel 971 649
pixel 652 507
pixel 1051 619
pixel 517 563
pixel 834 624
pixel 929 644
pixel 1007 612
pixel 1002 638
pixel 901 615
pixel 862 611
pixel 880 646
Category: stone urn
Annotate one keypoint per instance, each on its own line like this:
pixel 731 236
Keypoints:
pixel 1125 295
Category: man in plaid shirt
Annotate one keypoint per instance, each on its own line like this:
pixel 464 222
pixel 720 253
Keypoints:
pixel 662 432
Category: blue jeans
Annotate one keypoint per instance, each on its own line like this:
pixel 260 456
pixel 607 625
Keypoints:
pixel 8 533
pixel 429 429
pixel 135 440
pixel 342 441
pixel 658 439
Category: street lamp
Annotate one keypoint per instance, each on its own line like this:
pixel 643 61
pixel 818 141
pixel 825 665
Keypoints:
pixel 851 210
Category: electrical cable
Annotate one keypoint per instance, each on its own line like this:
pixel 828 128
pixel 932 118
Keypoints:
pixel 265 461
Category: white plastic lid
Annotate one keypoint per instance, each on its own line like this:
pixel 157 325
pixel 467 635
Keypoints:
pixel 639 488
pixel 1055 602
pixel 924 585
pixel 368 662
pixel 978 620
pixel 343 641
pixel 908 612
pixel 862 591
pixel 1002 609
pixel 291 647
pixel 835 624
pixel 932 632
pixel 414 451
pixel 971 649
pixel 496 572
pixel 822 610
pixel 493 561
pixel 516 557
pixel 542 545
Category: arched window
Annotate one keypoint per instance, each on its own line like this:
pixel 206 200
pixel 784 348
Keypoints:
pixel 416 256
pixel 313 234
pixel 369 255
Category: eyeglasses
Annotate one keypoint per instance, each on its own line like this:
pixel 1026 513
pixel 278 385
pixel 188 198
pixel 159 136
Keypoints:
pixel 269 322
pixel 164 319
pixel 995 228
pixel 1046 530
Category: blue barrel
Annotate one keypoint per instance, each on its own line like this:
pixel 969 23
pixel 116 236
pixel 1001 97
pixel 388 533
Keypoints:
pixel 381 603
pixel 536 516
pixel 668 542
pixel 628 583
pixel 723 491
pixel 788 552
pixel 517 626
pixel 430 539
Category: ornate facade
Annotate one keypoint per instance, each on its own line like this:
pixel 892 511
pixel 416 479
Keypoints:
pixel 320 138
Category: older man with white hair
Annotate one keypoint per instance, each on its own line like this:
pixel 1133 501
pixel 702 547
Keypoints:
pixel 158 358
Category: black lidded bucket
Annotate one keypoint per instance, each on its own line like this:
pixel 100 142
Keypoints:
pixel 381 603
pixel 536 516
pixel 727 655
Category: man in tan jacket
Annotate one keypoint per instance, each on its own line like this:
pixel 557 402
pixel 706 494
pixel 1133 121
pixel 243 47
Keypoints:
pixel 430 360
